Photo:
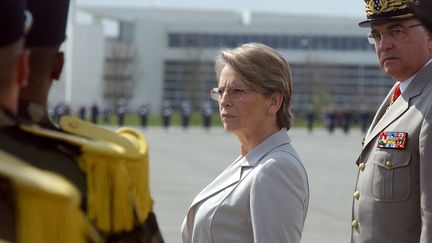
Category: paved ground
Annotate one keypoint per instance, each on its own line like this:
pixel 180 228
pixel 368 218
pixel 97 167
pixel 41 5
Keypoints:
pixel 182 163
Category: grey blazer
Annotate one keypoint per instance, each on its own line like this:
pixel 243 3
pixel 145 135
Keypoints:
pixel 263 197
pixel 393 195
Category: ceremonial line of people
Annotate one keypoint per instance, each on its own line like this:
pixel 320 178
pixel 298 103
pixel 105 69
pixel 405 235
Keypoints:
pixel 68 182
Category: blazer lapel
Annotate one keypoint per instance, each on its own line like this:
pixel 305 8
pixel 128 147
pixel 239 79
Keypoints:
pixel 228 177
pixel 241 167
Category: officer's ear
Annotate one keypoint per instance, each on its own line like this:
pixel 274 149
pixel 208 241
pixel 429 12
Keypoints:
pixel 22 69
pixel 57 65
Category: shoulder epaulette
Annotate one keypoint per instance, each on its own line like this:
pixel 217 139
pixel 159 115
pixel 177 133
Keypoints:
pixel 47 205
pixel 89 130
pixel 138 170
pixel 110 203
pixel 117 168
pixel 135 154
pixel 95 146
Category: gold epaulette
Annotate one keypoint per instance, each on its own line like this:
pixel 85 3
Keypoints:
pixel 47 205
pixel 110 203
pixel 138 170
pixel 135 155
pixel 89 130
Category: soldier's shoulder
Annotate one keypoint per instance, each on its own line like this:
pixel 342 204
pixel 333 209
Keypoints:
pixel 132 142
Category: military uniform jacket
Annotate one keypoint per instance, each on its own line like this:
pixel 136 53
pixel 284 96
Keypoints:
pixel 393 194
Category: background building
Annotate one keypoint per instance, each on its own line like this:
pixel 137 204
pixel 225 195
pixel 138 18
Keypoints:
pixel 165 54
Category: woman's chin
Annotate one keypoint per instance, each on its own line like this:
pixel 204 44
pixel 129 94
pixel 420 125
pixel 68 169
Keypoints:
pixel 228 127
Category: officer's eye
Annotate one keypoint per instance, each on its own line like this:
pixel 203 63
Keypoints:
pixel 396 32
pixel 375 35
pixel 221 91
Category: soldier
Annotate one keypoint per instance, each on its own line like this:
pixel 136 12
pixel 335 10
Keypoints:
pixel 38 151
pixel 143 112
pixel 186 111
pixel 121 110
pixel 392 201
pixel 13 63
pixel 116 196
pixel 207 112
pixel 94 113
pixel 82 112
pixel 106 113
pixel 30 199
pixel 310 117
pixel 166 112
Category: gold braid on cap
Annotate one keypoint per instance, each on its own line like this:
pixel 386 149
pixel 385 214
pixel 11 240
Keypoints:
pixel 373 7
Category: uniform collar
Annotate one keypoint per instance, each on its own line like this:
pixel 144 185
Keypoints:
pixel 34 113
pixel 404 83
pixel 7 119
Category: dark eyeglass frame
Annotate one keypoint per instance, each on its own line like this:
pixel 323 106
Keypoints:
pixel 396 32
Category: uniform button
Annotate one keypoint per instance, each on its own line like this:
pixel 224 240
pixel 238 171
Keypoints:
pixel 73 125
pixel 356 194
pixel 355 224
pixel 389 164
pixel 362 166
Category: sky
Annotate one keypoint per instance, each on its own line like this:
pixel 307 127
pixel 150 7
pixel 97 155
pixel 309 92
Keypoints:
pixel 340 8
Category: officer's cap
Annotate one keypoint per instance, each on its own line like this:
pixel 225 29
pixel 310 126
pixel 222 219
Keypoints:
pixel 49 27
pixel 380 11
pixel 423 12
pixel 13 24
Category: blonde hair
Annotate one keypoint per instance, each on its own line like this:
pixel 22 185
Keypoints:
pixel 264 70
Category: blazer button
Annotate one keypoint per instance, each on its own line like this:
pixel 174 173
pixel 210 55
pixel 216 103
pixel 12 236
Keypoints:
pixel 355 224
pixel 389 164
pixel 357 195
pixel 362 166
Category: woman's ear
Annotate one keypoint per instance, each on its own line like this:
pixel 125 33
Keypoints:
pixel 275 102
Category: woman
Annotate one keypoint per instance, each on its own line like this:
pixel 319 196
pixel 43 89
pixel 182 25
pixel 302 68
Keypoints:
pixel 263 195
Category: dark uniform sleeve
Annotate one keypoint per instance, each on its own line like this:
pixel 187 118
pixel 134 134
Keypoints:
pixel 7 211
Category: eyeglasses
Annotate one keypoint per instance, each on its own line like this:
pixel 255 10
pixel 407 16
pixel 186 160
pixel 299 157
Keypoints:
pixel 394 33
pixel 234 93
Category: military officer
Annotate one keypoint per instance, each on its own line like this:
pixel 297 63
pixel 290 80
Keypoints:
pixel 30 199
pixel 143 113
pixel 121 214
pixel 392 200
pixel 39 151
pixel 46 60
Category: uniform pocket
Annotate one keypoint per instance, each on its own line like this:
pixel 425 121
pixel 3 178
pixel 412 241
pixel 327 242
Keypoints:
pixel 391 179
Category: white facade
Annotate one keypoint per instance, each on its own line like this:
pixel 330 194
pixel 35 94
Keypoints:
pixel 154 33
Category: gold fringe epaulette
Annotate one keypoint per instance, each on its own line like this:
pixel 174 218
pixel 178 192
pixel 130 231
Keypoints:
pixel 91 131
pixel 110 203
pixel 135 156
pixel 47 205
pixel 138 170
